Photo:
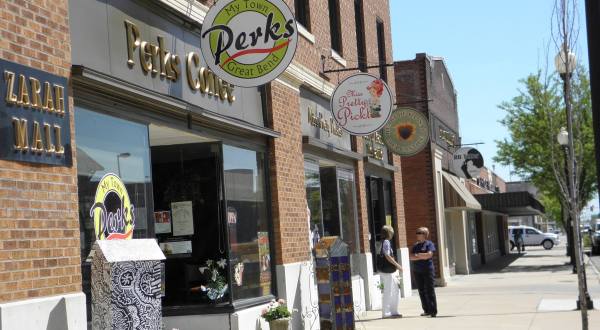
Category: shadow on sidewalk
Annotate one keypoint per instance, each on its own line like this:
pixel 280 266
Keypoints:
pixel 505 265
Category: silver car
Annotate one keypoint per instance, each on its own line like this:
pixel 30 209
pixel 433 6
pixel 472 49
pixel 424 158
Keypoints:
pixel 532 237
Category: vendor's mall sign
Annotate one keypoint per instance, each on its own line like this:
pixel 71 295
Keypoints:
pixel 34 116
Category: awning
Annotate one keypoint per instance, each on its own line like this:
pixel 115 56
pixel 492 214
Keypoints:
pixel 456 195
pixel 518 203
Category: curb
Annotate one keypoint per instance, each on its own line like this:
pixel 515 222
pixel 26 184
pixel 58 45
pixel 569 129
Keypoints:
pixel 593 266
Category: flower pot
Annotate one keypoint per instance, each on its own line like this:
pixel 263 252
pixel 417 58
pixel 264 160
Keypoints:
pixel 280 324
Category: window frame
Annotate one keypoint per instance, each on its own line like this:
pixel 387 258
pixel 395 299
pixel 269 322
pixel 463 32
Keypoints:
pixel 335 27
pixel 381 45
pixel 361 43
pixel 256 143
pixel 302 12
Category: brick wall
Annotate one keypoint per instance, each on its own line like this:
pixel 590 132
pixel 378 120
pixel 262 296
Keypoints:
pixel 39 226
pixel 287 176
pixel 287 172
pixel 417 171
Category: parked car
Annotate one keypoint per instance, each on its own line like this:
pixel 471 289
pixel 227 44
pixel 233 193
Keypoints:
pixel 595 236
pixel 532 237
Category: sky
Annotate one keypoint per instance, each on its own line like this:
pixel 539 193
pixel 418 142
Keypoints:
pixel 487 46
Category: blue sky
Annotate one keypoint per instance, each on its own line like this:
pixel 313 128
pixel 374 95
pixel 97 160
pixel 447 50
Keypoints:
pixel 488 46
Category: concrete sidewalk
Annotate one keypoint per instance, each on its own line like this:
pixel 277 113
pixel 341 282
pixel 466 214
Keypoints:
pixel 513 293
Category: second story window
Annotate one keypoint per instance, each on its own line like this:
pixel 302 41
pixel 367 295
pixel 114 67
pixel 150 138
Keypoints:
pixel 361 48
pixel 302 13
pixel 381 49
pixel 334 26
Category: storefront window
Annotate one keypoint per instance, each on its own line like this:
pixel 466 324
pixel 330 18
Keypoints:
pixel 188 220
pixel 313 195
pixel 331 197
pixel 249 253
pixel 105 145
pixel 348 208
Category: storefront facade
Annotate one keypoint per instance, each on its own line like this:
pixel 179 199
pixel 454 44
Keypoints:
pixel 211 171
pixel 190 148
pixel 434 196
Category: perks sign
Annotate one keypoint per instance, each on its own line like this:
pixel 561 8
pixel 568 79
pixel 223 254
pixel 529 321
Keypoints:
pixel 407 132
pixel 249 43
pixel 361 104
pixel 112 211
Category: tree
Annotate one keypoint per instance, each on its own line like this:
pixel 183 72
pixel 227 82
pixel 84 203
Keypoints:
pixel 533 119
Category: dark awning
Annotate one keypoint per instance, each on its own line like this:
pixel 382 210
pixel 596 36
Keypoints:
pixel 518 203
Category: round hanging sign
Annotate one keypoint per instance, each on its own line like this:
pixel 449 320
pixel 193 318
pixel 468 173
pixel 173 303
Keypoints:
pixel 112 211
pixel 249 43
pixel 407 132
pixel 361 104
pixel 467 163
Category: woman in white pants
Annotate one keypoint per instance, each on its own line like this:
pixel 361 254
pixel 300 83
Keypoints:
pixel 387 273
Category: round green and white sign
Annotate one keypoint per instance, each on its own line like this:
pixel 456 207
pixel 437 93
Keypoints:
pixel 249 43
pixel 407 132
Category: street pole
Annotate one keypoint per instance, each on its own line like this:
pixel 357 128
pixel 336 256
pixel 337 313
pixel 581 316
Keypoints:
pixel 573 203
pixel 569 221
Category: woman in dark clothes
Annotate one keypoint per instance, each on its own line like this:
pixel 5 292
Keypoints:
pixel 422 255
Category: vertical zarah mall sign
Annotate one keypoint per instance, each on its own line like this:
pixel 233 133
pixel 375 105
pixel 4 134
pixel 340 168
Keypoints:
pixel 34 116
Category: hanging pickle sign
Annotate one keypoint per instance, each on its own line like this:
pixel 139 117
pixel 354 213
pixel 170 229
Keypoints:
pixel 361 104
pixel 112 211
pixel 249 43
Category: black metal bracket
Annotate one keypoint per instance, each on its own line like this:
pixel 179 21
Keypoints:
pixel 324 58
pixel 412 102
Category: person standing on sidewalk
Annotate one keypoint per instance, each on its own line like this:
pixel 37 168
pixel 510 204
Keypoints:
pixel 388 267
pixel 422 255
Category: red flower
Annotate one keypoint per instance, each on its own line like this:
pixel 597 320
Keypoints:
pixel 376 87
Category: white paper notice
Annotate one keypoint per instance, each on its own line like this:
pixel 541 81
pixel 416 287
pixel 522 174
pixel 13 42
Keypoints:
pixel 183 218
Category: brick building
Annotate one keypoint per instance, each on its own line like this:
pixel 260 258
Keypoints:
pixel 251 169
pixel 436 195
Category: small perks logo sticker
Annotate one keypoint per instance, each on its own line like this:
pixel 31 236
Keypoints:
pixel 112 211
pixel 249 43
pixel 407 132
pixel 361 104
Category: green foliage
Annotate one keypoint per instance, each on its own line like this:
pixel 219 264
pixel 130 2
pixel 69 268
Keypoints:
pixel 276 310
pixel 534 118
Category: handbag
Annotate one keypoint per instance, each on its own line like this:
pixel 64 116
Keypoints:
pixel 383 265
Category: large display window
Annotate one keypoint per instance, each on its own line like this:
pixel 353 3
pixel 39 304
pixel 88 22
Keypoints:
pixel 331 198
pixel 100 150
pixel 203 198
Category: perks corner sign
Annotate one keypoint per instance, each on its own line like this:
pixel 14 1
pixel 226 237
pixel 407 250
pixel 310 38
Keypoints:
pixel 112 212
pixel 34 116
pixel 361 104
pixel 249 43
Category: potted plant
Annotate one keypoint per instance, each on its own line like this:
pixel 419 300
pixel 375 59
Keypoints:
pixel 217 285
pixel 277 314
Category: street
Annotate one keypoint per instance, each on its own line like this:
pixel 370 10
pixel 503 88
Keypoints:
pixel 534 291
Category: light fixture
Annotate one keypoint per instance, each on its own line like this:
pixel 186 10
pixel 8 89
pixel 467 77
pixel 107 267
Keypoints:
pixel 560 62
pixel 563 137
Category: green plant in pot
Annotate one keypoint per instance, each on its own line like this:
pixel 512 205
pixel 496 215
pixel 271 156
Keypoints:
pixel 277 314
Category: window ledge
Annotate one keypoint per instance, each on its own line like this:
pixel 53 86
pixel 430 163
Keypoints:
pixel 338 58
pixel 305 33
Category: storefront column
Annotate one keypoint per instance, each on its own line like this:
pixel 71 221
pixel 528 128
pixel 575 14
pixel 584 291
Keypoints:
pixel 294 268
pixel 400 227
pixel 366 296
pixel 441 245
